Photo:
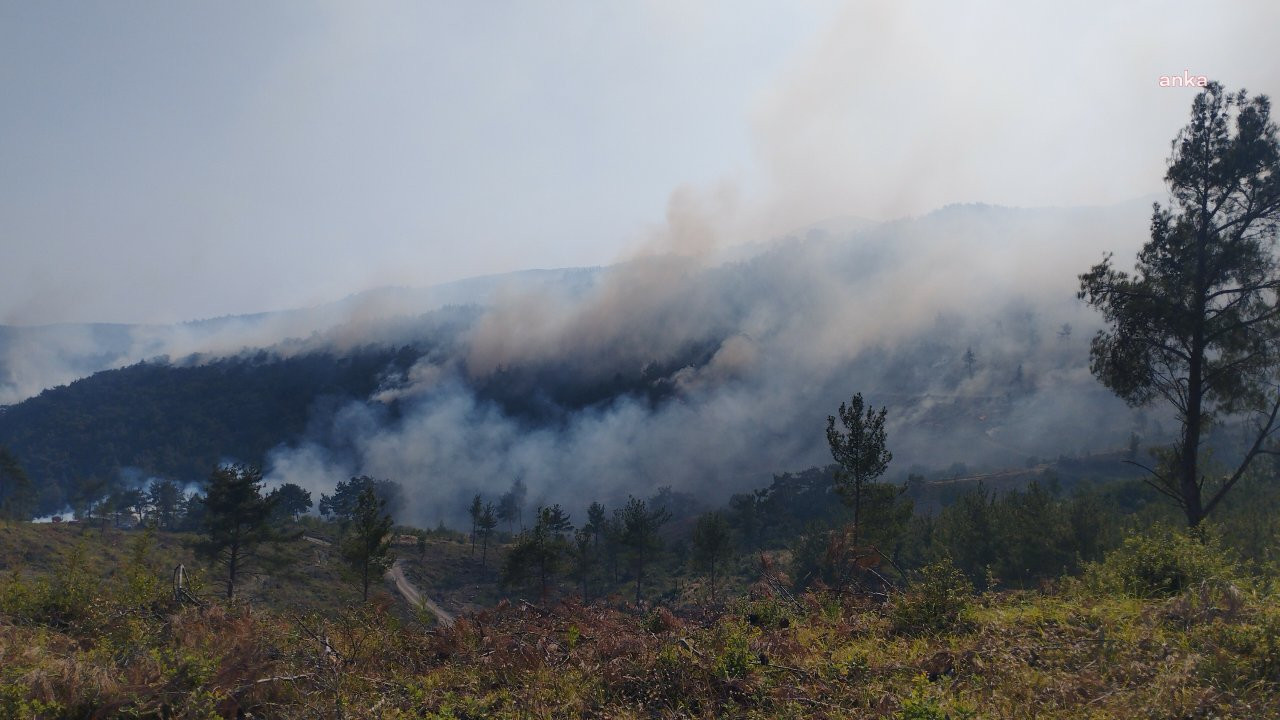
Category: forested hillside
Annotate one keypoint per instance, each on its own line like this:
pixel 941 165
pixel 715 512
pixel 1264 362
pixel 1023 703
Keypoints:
pixel 624 376
pixel 179 422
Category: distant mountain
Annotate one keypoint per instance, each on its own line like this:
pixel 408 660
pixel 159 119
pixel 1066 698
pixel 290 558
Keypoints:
pixel 80 441
pixel 706 375
pixel 33 358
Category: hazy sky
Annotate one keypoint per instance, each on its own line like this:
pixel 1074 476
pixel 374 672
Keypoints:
pixel 164 161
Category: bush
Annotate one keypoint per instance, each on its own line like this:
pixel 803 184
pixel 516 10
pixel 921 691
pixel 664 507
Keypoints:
pixel 1160 563
pixel 61 602
pixel 921 705
pixel 934 602
pixel 735 660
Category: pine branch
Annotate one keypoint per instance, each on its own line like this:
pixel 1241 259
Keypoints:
pixel 1264 433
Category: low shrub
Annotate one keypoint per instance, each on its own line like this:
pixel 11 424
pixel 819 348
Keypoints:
pixel 934 602
pixel 1162 562
pixel 735 659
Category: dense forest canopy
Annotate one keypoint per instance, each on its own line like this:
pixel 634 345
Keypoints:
pixel 178 422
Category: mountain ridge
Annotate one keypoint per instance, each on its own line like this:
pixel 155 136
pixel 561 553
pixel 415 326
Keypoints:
pixel 666 370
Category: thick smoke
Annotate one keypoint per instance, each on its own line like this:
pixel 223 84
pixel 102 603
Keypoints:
pixel 731 367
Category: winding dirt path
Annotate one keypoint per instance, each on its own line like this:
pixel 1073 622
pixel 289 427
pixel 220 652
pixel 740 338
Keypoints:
pixel 405 588
pixel 415 598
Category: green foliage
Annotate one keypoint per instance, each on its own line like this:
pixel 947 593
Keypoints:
pixel 1244 654
pixel 1196 324
pixel 367 545
pixel 1247 523
pixel 638 533
pixel 17 496
pixel 1161 562
pixel 766 611
pixel 485 523
pixel 140 583
pixel 775 516
pixel 859 450
pixel 475 510
pixel 236 521
pixel 62 601
pixel 584 560
pixel 921 704
pixel 554 520
pixel 734 659
pixel 840 556
pixel 969 531
pixel 886 513
pixel 511 505
pixel 14 703
pixel 345 501
pixel 820 657
pixel 540 551
pixel 596 520
pixel 1023 535
pixel 290 501
pixel 1034 533
pixel 165 500
pixel 811 559
pixel 934 600
pixel 178 420
pixel 712 545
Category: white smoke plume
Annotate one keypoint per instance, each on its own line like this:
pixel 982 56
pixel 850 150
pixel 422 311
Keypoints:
pixel 733 366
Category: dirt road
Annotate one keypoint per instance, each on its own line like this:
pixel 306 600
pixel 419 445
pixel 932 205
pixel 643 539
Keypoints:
pixel 415 598
pixel 405 588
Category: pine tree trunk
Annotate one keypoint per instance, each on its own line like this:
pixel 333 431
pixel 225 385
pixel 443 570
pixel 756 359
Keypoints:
pixel 857 509
pixel 1189 481
pixel 232 559
pixel 365 579
pixel 639 578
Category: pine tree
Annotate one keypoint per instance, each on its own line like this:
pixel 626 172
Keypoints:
pixel 236 522
pixel 1197 323
pixel 367 547
pixel 639 526
pixel 475 510
pixel 583 560
pixel 292 500
pixel 165 499
pixel 712 545
pixel 859 450
pixel 540 550
pixel 511 505
pixel 596 519
pixel 486 523
pixel 346 496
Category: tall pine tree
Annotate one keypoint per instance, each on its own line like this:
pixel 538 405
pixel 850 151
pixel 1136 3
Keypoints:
pixel 1196 325
pixel 236 521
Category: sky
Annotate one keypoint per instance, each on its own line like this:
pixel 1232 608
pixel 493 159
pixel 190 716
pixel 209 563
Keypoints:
pixel 162 161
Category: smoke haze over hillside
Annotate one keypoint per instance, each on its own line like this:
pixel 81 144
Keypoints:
pixel 182 161
pixel 745 199
pixel 739 363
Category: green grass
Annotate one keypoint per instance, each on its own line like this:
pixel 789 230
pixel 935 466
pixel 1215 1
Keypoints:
pixel 453 575
pixel 295 575
pixel 88 628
